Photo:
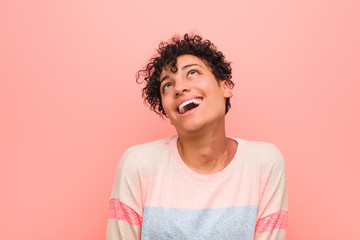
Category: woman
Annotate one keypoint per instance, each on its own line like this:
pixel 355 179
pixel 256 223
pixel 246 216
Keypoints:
pixel 199 184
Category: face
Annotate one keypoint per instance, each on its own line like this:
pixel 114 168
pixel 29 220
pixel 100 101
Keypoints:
pixel 192 97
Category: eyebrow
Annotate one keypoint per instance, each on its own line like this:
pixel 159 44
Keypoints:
pixel 182 69
pixel 190 65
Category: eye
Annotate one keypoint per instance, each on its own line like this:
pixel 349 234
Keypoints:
pixel 166 86
pixel 192 73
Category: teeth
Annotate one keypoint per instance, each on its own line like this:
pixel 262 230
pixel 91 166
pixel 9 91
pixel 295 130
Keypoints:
pixel 181 106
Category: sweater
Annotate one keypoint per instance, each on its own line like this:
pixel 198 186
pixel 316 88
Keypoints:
pixel 156 196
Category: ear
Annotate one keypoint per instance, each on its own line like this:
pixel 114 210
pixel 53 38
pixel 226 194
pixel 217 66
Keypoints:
pixel 226 89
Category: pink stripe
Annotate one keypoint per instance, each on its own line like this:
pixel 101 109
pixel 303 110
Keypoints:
pixel 121 211
pixel 275 220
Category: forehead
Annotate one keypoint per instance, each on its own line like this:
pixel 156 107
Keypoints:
pixel 181 61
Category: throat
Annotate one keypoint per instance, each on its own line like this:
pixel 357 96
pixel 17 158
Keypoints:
pixel 207 161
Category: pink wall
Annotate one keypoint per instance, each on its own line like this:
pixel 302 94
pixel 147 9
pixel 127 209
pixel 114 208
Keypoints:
pixel 70 106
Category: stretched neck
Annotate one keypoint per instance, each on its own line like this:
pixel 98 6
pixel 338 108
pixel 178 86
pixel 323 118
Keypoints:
pixel 207 151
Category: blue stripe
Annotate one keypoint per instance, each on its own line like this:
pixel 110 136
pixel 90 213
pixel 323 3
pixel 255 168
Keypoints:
pixel 206 224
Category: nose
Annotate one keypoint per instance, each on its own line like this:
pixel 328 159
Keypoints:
pixel 181 87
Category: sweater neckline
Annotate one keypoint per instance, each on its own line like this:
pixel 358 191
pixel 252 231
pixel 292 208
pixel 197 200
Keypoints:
pixel 208 177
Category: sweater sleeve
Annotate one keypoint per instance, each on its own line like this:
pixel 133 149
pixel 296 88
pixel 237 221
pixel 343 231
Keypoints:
pixel 273 207
pixel 125 204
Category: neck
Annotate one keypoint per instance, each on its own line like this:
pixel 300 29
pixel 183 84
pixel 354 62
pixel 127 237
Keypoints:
pixel 207 152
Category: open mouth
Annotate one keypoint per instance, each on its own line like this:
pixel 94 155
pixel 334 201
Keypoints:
pixel 188 105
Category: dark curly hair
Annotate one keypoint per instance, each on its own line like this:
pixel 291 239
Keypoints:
pixel 168 52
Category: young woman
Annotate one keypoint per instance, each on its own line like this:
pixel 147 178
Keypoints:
pixel 199 184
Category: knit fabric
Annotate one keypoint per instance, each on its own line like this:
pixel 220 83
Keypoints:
pixel 156 196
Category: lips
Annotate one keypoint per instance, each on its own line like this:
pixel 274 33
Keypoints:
pixel 188 105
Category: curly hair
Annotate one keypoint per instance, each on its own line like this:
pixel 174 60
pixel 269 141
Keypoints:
pixel 168 52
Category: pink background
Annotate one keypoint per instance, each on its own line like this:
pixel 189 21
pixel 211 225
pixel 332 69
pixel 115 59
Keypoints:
pixel 70 106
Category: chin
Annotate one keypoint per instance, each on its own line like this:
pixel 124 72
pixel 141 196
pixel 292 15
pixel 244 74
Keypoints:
pixel 189 128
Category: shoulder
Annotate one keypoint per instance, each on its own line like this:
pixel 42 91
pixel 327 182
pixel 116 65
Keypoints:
pixel 144 155
pixel 149 149
pixel 266 154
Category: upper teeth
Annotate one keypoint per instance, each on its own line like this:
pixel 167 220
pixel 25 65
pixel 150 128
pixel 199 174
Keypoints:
pixel 182 105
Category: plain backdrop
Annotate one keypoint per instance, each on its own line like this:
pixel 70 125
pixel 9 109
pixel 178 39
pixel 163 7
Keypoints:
pixel 70 105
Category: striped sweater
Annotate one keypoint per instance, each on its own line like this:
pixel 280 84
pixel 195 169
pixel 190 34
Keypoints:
pixel 156 196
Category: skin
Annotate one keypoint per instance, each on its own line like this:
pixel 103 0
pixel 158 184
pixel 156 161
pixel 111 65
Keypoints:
pixel 202 140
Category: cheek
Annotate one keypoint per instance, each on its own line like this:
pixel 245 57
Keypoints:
pixel 165 104
pixel 217 99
